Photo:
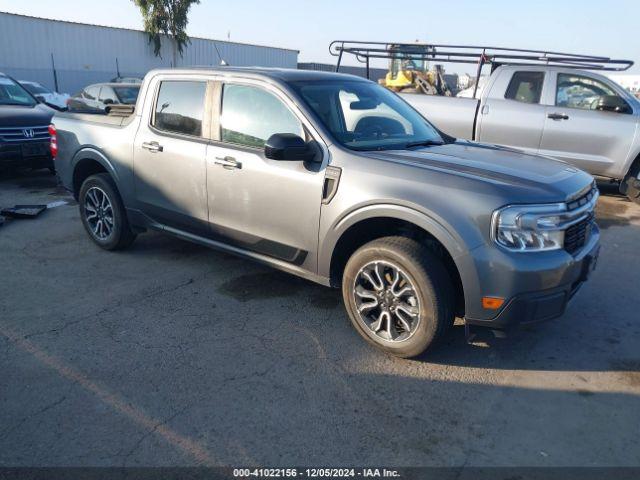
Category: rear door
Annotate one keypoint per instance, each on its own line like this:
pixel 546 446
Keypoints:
pixel 107 96
pixel 271 207
pixel 512 113
pixel 169 153
pixel 577 132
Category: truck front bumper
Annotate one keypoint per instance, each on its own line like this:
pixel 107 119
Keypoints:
pixel 536 286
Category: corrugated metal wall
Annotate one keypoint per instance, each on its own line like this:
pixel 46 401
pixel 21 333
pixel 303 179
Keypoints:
pixel 85 54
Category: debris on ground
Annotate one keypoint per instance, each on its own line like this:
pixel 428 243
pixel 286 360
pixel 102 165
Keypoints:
pixel 23 211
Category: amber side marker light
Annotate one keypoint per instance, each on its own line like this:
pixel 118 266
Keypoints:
pixel 492 303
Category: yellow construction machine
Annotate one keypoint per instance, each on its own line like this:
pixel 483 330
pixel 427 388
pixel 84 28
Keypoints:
pixel 409 71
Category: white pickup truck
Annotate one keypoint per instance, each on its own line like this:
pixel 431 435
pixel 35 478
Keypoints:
pixel 574 115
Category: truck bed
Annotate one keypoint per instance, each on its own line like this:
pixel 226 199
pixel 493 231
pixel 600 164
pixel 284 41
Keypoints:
pixel 454 116
pixel 95 118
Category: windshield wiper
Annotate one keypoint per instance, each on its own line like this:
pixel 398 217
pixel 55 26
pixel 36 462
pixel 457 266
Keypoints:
pixel 424 143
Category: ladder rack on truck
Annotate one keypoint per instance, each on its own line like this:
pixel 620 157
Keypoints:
pixel 474 54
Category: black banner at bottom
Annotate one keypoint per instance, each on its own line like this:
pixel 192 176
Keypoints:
pixel 261 473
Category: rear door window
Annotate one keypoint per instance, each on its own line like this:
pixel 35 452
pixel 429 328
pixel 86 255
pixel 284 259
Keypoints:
pixel 107 95
pixel 525 87
pixel 180 107
pixel 92 93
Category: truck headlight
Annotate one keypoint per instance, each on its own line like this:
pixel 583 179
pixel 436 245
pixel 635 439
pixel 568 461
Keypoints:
pixel 526 228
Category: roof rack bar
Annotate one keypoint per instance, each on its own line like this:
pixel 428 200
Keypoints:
pixel 506 61
pixel 438 45
pixel 364 51
pixel 339 60
pixel 481 61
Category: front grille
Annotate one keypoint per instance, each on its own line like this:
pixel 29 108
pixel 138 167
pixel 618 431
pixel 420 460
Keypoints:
pixel 584 199
pixel 577 234
pixel 24 134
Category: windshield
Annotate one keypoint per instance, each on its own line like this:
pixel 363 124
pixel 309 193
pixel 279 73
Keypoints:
pixel 407 63
pixel 127 95
pixel 366 116
pixel 13 94
pixel 34 88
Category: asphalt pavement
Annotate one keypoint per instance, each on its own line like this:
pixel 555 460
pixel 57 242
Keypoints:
pixel 172 354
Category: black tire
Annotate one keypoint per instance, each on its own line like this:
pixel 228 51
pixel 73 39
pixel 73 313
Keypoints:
pixel 631 185
pixel 424 271
pixel 121 235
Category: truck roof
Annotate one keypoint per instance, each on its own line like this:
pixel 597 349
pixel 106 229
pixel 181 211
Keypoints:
pixel 281 74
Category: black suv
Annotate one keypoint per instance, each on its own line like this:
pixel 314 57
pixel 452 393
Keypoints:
pixel 25 136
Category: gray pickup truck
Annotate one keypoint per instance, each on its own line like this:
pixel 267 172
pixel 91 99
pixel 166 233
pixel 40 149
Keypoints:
pixel 577 116
pixel 338 180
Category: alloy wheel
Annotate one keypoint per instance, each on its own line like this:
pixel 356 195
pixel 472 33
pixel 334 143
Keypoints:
pixel 99 213
pixel 386 301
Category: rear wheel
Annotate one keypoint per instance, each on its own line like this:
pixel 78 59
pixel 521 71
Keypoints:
pixel 399 295
pixel 102 213
pixel 631 184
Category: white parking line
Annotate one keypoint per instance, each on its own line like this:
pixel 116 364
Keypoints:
pixel 59 203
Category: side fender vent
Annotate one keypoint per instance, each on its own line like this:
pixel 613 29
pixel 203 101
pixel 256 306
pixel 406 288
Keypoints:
pixel 331 181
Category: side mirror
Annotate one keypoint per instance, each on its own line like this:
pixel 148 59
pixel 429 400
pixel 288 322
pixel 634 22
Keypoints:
pixel 107 101
pixel 612 103
pixel 287 146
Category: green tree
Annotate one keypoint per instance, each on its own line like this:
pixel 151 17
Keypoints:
pixel 167 17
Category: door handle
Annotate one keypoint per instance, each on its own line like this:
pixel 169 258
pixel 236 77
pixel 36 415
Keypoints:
pixel 153 147
pixel 558 116
pixel 228 162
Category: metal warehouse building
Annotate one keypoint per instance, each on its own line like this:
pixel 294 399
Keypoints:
pixel 75 54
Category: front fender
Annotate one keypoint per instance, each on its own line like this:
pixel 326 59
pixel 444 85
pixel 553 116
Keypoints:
pixel 445 234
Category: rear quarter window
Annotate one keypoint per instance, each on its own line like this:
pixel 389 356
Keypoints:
pixel 525 87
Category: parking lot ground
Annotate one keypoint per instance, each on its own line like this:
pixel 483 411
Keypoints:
pixel 172 354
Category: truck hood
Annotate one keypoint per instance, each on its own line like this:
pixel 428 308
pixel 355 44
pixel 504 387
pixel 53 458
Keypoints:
pixel 533 176
pixel 18 116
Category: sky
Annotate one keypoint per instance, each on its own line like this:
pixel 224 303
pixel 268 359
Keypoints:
pixel 588 26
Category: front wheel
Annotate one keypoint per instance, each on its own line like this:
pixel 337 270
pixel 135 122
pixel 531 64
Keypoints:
pixel 102 213
pixel 399 295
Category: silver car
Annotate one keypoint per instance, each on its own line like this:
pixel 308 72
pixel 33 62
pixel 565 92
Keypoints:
pixel 100 97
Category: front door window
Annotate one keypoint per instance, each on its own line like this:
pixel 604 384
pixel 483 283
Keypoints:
pixel 578 91
pixel 250 115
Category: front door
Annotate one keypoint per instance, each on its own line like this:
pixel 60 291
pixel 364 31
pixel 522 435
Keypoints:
pixel 169 156
pixel 267 206
pixel 517 119
pixel 578 132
